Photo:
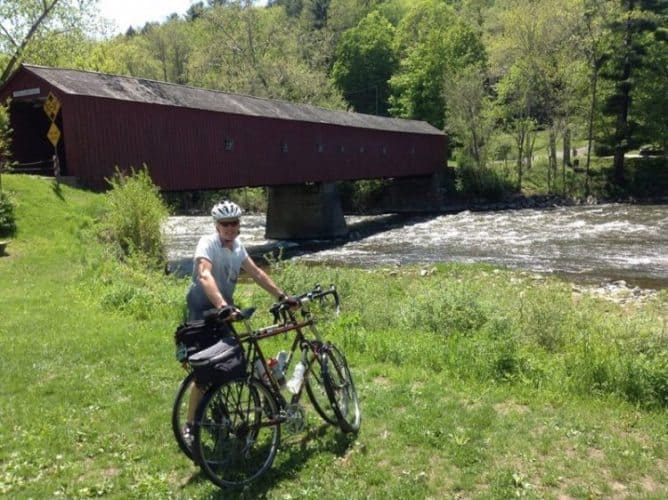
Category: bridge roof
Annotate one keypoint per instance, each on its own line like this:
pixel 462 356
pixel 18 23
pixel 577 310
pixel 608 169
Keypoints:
pixel 88 83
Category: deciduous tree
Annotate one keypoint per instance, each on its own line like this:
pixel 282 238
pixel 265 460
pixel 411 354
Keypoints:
pixel 365 61
pixel 432 45
pixel 25 22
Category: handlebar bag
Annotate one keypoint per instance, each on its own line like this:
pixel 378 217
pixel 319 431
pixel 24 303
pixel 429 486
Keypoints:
pixel 222 362
pixel 193 336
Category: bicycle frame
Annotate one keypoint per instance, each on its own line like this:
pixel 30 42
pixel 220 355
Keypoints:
pixel 300 342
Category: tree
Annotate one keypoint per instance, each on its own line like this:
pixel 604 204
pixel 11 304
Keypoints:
pixel 170 45
pixel 652 97
pixel 592 37
pixel 23 22
pixel 293 8
pixel 316 12
pixel 364 63
pixel 260 52
pixel 531 57
pixel 640 26
pixel 469 117
pixel 433 45
pixel 5 141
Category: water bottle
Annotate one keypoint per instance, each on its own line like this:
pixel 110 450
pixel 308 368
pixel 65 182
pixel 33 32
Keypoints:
pixel 295 383
pixel 261 372
pixel 276 371
pixel 282 357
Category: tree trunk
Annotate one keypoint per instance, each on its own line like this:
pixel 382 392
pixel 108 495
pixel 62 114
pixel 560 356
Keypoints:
pixel 592 109
pixel 552 160
pixel 566 160
pixel 622 122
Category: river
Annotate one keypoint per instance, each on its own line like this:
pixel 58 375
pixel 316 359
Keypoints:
pixel 585 244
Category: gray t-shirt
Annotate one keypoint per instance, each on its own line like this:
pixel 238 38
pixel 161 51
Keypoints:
pixel 225 267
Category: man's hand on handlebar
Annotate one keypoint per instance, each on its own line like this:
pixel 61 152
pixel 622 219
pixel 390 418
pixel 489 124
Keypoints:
pixel 291 301
pixel 229 313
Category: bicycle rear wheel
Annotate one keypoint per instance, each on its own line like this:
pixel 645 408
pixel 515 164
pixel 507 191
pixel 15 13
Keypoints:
pixel 180 413
pixel 236 432
pixel 341 389
pixel 315 387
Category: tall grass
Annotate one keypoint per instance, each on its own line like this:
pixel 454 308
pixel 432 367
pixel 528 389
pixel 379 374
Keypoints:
pixel 501 327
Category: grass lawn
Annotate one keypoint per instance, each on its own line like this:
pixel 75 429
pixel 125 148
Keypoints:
pixel 474 382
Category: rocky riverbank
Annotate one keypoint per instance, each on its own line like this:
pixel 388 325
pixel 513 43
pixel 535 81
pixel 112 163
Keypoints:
pixel 618 292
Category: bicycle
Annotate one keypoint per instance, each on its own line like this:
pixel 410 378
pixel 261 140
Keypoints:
pixel 237 423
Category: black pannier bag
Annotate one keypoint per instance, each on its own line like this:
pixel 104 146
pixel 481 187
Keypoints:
pixel 222 362
pixel 193 336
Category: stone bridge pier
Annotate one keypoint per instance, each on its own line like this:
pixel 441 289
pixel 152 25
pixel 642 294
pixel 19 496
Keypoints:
pixel 305 211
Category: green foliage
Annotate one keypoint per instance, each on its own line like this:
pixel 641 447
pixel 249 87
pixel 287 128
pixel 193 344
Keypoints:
pixel 361 196
pixel 133 221
pixel 251 200
pixel 364 64
pixel 482 182
pixel 432 45
pixel 133 288
pixel 7 216
pixel 32 30
pixel 5 141
pixel 469 116
pixel 452 310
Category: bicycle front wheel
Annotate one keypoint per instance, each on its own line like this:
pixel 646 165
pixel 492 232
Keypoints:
pixel 236 432
pixel 315 386
pixel 341 389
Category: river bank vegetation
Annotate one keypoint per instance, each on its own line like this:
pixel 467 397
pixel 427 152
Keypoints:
pixel 474 381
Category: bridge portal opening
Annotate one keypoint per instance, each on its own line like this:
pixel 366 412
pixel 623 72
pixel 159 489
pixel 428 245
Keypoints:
pixel 31 149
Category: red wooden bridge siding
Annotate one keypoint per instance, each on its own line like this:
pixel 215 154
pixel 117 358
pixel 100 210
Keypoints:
pixel 195 139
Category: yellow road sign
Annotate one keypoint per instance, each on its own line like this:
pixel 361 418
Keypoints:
pixel 53 134
pixel 51 106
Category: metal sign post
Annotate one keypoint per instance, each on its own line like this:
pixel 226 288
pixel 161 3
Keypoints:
pixel 51 108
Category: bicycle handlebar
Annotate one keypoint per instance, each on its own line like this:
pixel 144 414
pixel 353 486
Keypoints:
pixel 228 313
pixel 279 309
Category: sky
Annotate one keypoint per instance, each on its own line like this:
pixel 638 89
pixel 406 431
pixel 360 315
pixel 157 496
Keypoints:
pixel 125 13
pixel 136 13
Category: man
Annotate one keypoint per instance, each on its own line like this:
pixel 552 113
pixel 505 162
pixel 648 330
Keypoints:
pixel 217 262
pixel 218 259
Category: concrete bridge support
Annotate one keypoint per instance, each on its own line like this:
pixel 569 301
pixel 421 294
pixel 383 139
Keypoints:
pixel 305 211
pixel 413 194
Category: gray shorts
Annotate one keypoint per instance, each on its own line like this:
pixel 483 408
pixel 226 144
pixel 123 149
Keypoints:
pixel 198 303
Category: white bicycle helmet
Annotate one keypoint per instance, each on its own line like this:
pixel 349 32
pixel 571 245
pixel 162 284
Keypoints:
pixel 225 211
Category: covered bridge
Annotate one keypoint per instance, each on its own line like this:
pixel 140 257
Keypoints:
pixel 199 139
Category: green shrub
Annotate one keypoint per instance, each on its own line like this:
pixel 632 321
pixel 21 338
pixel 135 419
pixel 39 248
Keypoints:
pixel 446 310
pixel 251 200
pixel 361 196
pixel 483 182
pixel 7 216
pixel 134 218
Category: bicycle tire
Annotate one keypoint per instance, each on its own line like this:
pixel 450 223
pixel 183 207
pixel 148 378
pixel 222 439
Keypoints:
pixel 317 392
pixel 236 432
pixel 180 412
pixel 341 389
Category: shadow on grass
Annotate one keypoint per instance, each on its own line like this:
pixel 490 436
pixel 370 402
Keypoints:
pixel 55 187
pixel 294 453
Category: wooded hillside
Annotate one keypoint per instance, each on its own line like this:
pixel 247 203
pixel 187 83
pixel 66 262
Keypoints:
pixel 490 73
